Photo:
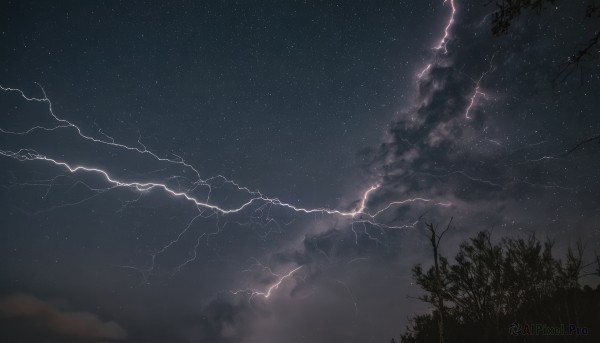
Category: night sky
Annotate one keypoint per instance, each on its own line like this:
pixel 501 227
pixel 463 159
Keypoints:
pixel 245 171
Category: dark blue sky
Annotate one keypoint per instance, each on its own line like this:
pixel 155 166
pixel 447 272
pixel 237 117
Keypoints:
pixel 288 112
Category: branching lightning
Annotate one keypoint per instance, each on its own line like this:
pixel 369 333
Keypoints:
pixel 255 196
pixel 442 46
pixel 255 200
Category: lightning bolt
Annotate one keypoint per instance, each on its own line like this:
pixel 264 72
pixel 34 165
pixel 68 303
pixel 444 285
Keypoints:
pixel 255 201
pixel 476 94
pixel 256 196
pixel 442 46
pixel 444 40
pixel 423 72
pixel 477 91
pixel 267 293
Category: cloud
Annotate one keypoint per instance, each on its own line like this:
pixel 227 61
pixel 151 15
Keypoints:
pixel 44 317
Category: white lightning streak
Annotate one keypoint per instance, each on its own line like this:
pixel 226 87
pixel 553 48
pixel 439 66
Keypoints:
pixel 360 214
pixel 422 73
pixel 444 41
pixel 477 92
pixel 256 196
pixel 266 294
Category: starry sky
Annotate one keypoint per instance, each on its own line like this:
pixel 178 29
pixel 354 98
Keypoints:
pixel 261 171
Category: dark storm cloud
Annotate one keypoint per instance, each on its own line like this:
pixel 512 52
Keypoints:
pixel 224 319
pixel 50 320
pixel 488 163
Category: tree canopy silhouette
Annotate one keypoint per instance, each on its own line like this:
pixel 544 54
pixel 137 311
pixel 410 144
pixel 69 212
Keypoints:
pixel 492 289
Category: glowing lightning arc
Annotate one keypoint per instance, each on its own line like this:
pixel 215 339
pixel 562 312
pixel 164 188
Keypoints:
pixel 477 92
pixel 266 294
pixel 255 196
pixel 444 41
pixel 422 73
